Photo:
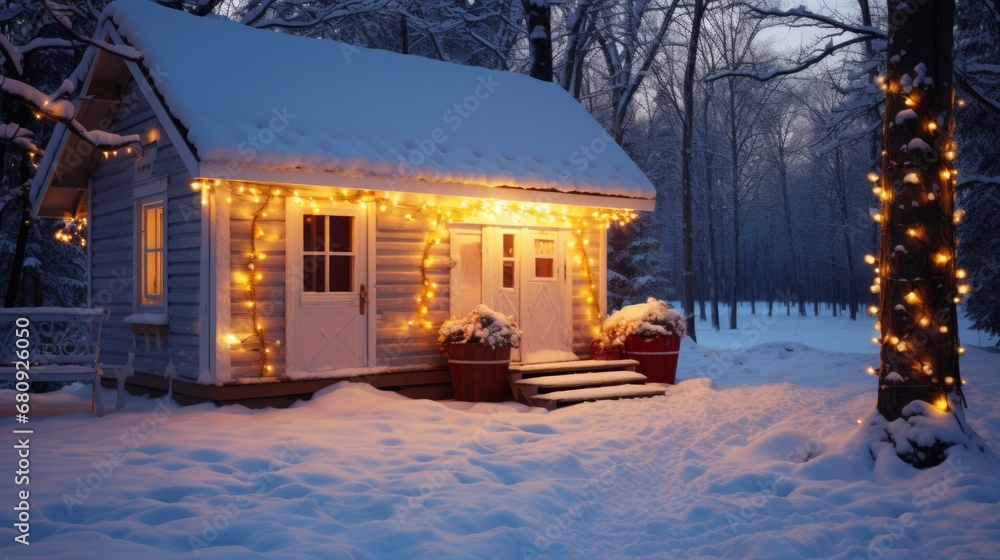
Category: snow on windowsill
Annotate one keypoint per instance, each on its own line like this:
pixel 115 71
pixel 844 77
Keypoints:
pixel 147 319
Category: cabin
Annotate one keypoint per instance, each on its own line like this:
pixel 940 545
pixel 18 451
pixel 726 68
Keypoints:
pixel 304 211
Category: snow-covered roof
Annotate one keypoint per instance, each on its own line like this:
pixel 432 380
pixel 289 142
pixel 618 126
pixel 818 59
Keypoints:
pixel 275 102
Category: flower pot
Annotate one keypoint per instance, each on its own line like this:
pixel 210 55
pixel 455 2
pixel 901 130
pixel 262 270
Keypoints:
pixel 657 356
pixel 479 373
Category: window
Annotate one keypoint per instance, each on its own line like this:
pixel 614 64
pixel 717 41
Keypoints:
pixel 327 253
pixel 545 250
pixel 509 277
pixel 151 256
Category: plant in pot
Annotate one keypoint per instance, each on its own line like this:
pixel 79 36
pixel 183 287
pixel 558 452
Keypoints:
pixel 478 348
pixel 651 334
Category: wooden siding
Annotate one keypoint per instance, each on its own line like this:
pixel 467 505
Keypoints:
pixel 399 249
pixel 112 230
pixel 270 290
pixel 584 313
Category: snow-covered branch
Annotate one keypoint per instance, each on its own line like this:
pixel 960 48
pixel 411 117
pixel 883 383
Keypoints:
pixel 23 138
pixel 812 60
pixel 818 20
pixel 62 14
pixel 55 107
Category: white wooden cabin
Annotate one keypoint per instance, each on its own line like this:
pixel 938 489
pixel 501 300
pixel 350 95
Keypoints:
pixel 306 211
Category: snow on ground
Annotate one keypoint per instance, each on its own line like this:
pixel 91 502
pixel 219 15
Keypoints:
pixel 756 453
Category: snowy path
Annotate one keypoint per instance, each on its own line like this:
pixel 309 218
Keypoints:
pixel 717 468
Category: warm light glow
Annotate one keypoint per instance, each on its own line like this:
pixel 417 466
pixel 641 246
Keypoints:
pixel 963 289
pixel 873 177
pixel 960 273
pixel 943 329
pixel 912 297
pixel 941 404
pixel 961 350
pixel 924 322
pixel 870 259
pixel 873 310
pixel 942 258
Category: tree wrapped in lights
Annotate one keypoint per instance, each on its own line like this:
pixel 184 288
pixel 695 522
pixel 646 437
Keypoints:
pixel 916 275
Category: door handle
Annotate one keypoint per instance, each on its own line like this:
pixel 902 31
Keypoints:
pixel 362 298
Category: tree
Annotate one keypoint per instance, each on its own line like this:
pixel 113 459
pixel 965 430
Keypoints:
pixel 917 276
pixel 630 35
pixel 687 234
pixel 49 26
pixel 977 49
pixel 538 18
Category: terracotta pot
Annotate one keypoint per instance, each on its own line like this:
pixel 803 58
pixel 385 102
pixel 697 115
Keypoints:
pixel 657 356
pixel 479 373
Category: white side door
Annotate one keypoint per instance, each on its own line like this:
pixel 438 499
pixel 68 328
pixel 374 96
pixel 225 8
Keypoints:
pixel 466 278
pixel 326 288
pixel 545 304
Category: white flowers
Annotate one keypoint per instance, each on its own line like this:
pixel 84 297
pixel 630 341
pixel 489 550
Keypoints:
pixel 482 326
pixel 653 318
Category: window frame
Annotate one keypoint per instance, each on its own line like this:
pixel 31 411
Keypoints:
pixel 327 253
pixel 147 196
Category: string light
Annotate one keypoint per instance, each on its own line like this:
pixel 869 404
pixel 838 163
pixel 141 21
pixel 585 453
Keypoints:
pixel 437 217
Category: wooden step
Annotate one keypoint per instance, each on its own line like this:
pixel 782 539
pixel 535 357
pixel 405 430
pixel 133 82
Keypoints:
pixel 548 383
pixel 551 401
pixel 524 371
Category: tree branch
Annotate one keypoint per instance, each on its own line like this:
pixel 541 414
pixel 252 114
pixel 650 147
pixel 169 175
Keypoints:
pixel 808 62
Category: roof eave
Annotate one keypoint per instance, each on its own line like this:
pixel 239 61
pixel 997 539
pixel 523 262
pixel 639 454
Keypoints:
pixel 235 172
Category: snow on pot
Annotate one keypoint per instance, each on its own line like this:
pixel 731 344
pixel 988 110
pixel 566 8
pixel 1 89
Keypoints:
pixel 478 347
pixel 651 334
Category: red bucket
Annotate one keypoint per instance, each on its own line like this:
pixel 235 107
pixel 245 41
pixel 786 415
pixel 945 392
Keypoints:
pixel 657 356
pixel 479 373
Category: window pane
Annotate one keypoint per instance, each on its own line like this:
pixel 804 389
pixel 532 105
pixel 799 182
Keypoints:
pixel 154 274
pixel 314 273
pixel 341 234
pixel 508 244
pixel 508 274
pixel 545 247
pixel 312 233
pixel 153 218
pixel 544 268
pixel 341 273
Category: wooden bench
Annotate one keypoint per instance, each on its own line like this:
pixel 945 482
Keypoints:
pixel 62 344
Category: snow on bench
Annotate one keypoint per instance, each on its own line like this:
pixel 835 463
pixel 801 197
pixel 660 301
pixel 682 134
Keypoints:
pixel 57 344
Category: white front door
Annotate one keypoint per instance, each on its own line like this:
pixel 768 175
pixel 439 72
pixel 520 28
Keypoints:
pixel 525 275
pixel 327 289
pixel 545 302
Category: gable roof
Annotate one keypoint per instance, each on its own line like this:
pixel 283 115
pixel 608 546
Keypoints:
pixel 284 108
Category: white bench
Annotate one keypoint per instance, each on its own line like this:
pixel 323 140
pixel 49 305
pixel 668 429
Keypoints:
pixel 63 344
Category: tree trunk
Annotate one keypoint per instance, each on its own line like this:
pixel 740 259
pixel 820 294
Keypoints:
pixel 19 250
pixel 713 252
pixel 404 35
pixel 538 17
pixel 686 179
pixel 917 275
pixel 852 286
pixel 713 255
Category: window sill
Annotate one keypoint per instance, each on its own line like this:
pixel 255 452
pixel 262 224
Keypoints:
pixel 155 324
